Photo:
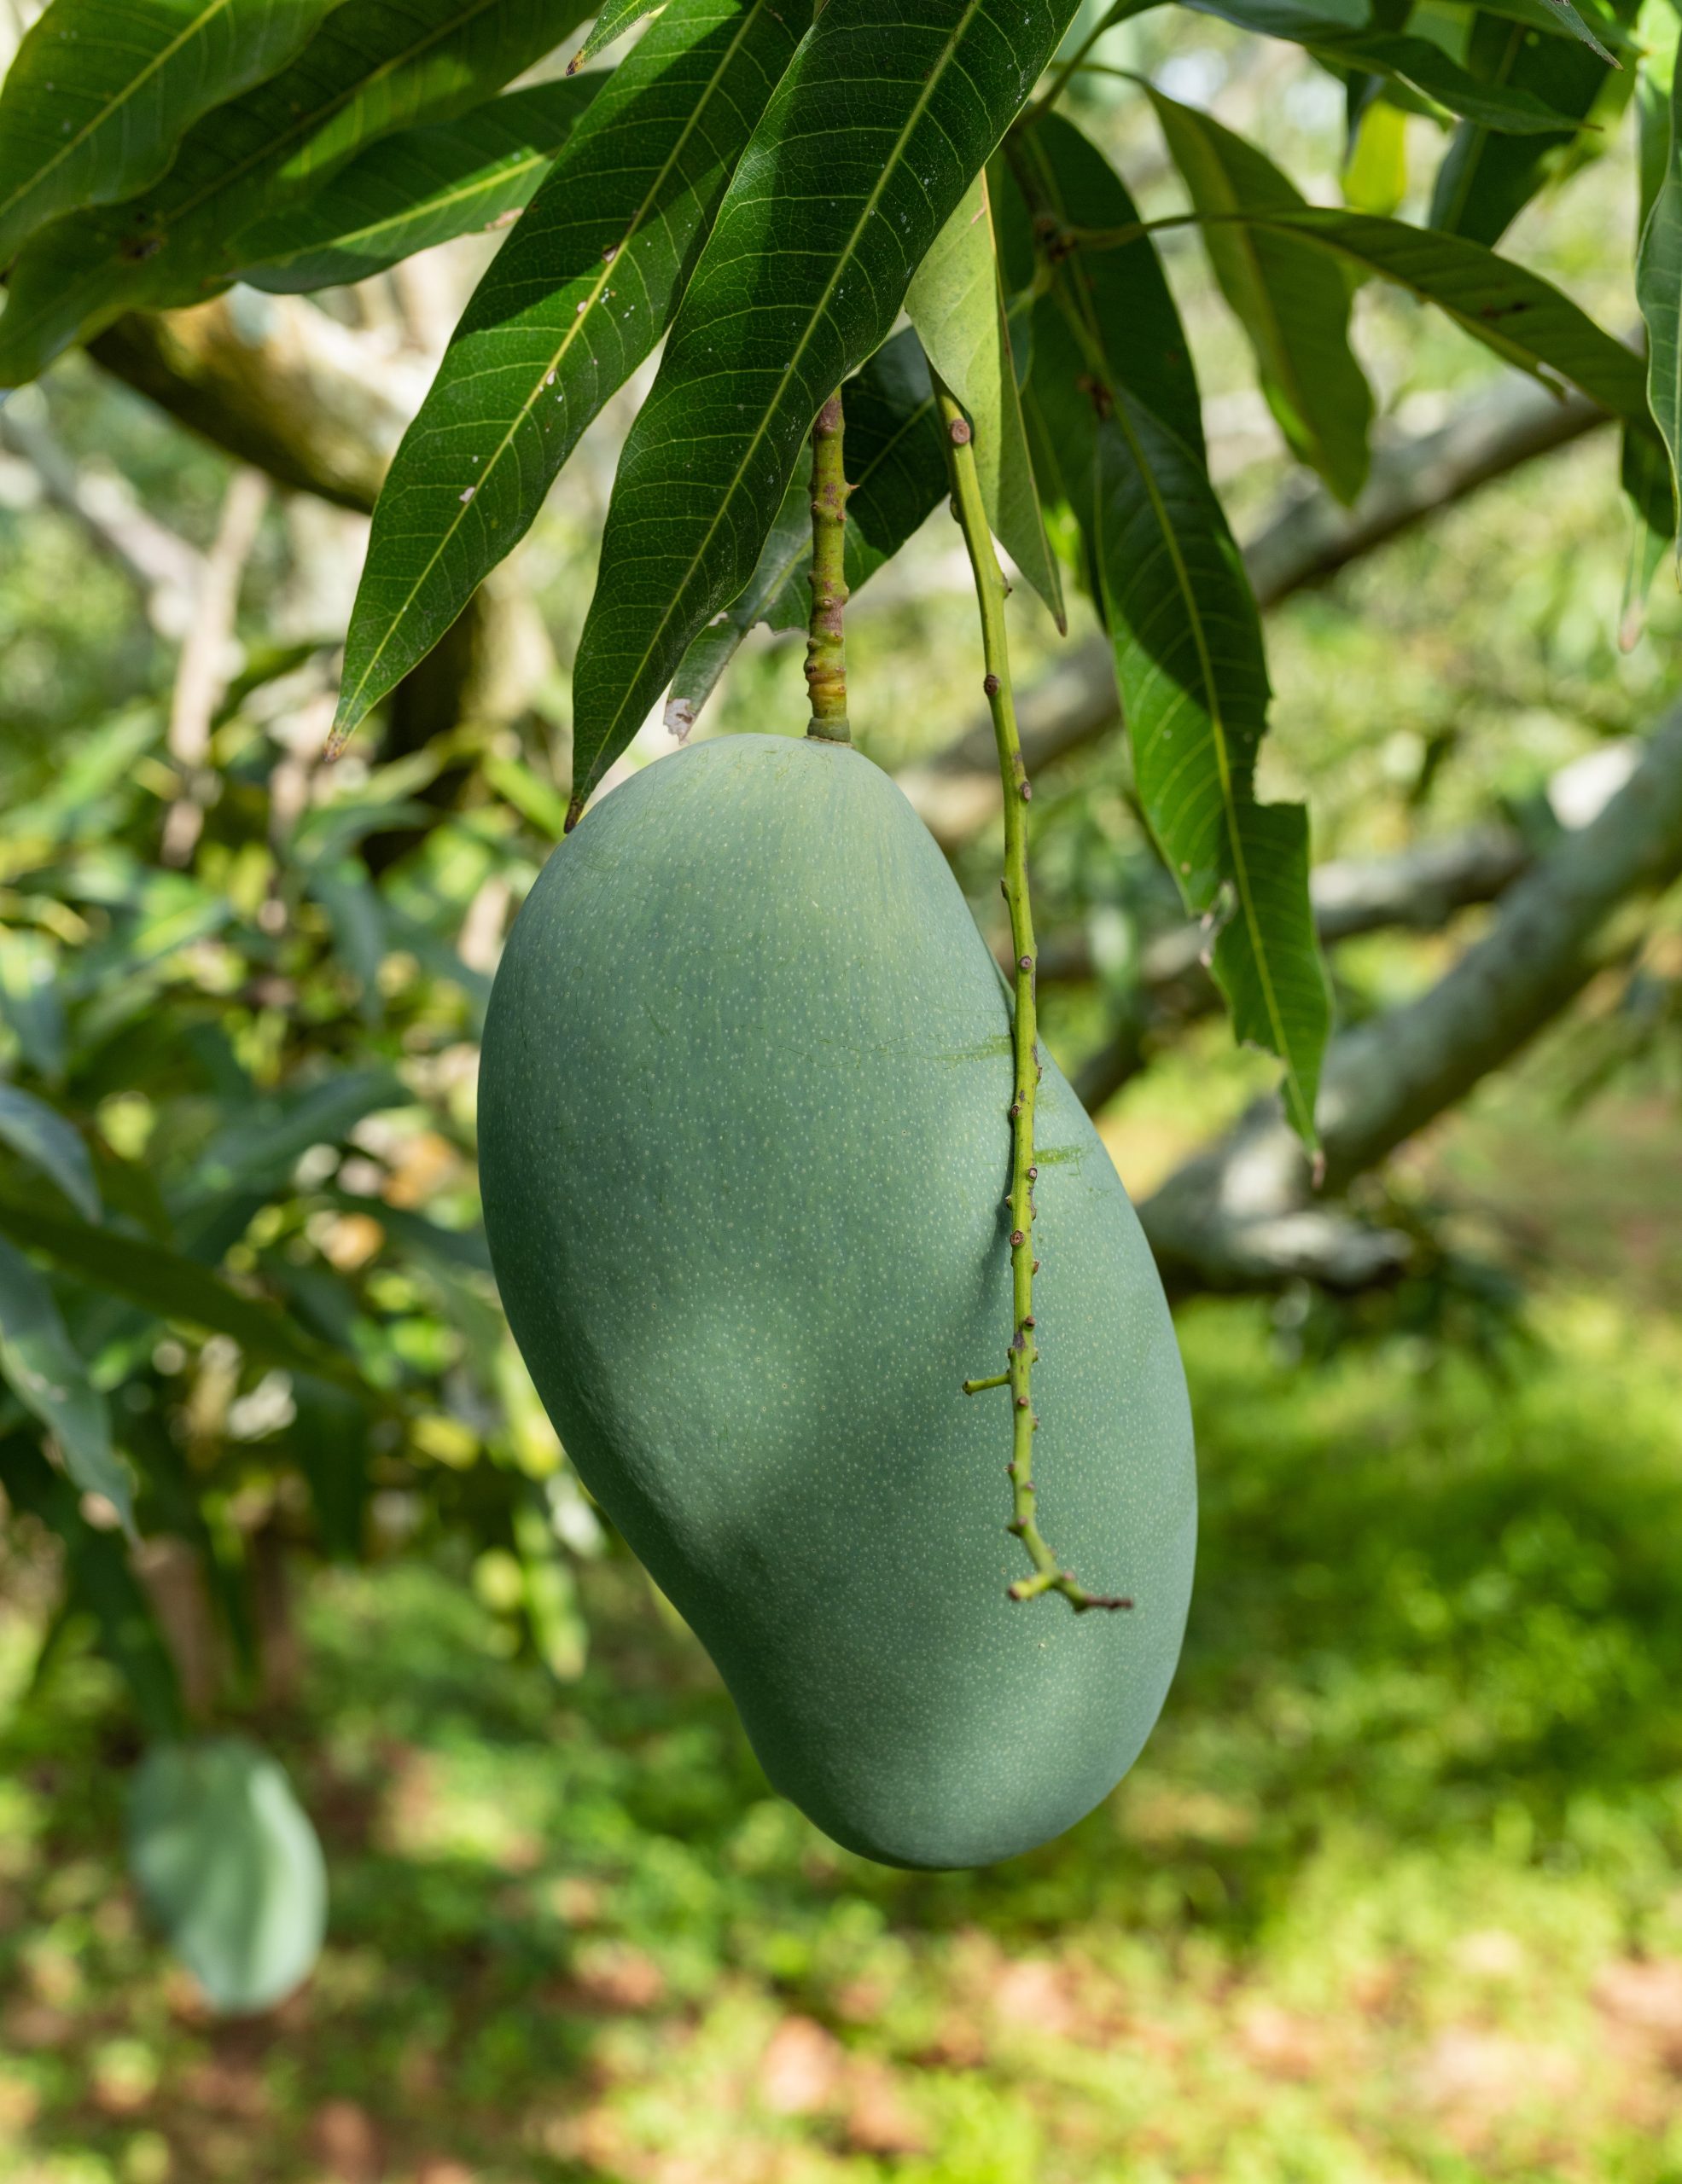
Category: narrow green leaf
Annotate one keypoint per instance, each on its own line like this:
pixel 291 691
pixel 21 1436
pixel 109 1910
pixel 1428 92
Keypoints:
pixel 1658 289
pixel 1170 587
pixel 175 1288
pixel 54 1145
pixel 1292 302
pixel 956 302
pixel 31 1003
pixel 1524 319
pixel 256 1148
pixel 227 1862
pixel 613 22
pixel 576 299
pixel 99 91
pixel 1487 179
pixel 374 66
pixel 418 188
pixel 1646 479
pixel 869 141
pixel 898 466
pixel 40 1365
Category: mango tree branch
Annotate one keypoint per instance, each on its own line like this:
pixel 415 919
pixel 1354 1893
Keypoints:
pixel 1023 1351
pixel 1241 1215
pixel 825 654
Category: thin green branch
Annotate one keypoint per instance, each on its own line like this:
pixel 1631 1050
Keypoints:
pixel 990 595
pixel 825 656
pixel 1077 61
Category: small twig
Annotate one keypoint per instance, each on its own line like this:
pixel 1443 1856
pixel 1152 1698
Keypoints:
pixel 990 594
pixel 825 656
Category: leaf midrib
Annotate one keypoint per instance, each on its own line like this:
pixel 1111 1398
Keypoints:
pixel 935 76
pixel 347 718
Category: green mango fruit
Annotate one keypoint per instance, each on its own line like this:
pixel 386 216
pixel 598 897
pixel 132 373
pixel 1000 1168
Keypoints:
pixel 744 1144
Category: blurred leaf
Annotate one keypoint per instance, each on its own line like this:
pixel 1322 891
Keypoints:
pixel 328 1438
pixel 846 216
pixel 228 1864
pixel 43 1137
pixel 163 1282
pixel 99 90
pixel 612 22
pixel 1645 475
pixel 30 1002
pixel 575 300
pixel 551 1595
pixel 44 1372
pixel 1292 301
pixel 956 304
pixel 259 1146
pixel 898 467
pixel 532 798
pixel 1170 590
pixel 1658 288
pixel 1486 179
pixel 373 67
pixel 418 188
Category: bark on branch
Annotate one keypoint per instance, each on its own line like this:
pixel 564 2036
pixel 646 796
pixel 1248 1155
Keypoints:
pixel 1243 1214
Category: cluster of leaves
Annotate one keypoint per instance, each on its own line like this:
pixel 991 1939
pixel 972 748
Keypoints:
pixel 223 1317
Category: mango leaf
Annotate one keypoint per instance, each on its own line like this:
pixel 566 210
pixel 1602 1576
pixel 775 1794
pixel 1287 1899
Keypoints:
pixel 41 1365
pixel 1291 301
pixel 228 1864
pixel 613 22
pixel 30 1004
pixel 896 464
pixel 1524 319
pixel 1487 179
pixel 417 188
pixel 1644 473
pixel 1658 289
pixel 1170 587
pixel 372 68
pixel 579 295
pixel 956 302
pixel 921 92
pixel 50 1143
pixel 173 1287
pixel 99 91
pixel 256 1148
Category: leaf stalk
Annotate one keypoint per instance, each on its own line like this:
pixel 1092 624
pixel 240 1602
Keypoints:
pixel 990 595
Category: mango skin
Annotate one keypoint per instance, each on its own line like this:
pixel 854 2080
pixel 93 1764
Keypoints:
pixel 744 1143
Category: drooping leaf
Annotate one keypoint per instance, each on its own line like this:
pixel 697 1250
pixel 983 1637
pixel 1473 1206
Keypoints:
pixel 417 188
pixel 1523 318
pixel 579 295
pixel 374 66
pixel 44 1139
pixel 31 1003
pixel 897 464
pixel 612 22
pixel 227 1862
pixel 174 1287
pixel 1122 287
pixel 956 303
pixel 1487 179
pixel 1658 288
pixel 1170 590
pixel 40 1364
pixel 1291 300
pixel 99 91
pixel 1356 46
pixel 815 245
pixel 258 1148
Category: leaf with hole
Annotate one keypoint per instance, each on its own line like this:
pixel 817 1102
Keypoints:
pixel 580 294
pixel 850 176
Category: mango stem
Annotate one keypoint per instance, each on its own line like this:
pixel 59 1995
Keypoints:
pixel 825 658
pixel 990 595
